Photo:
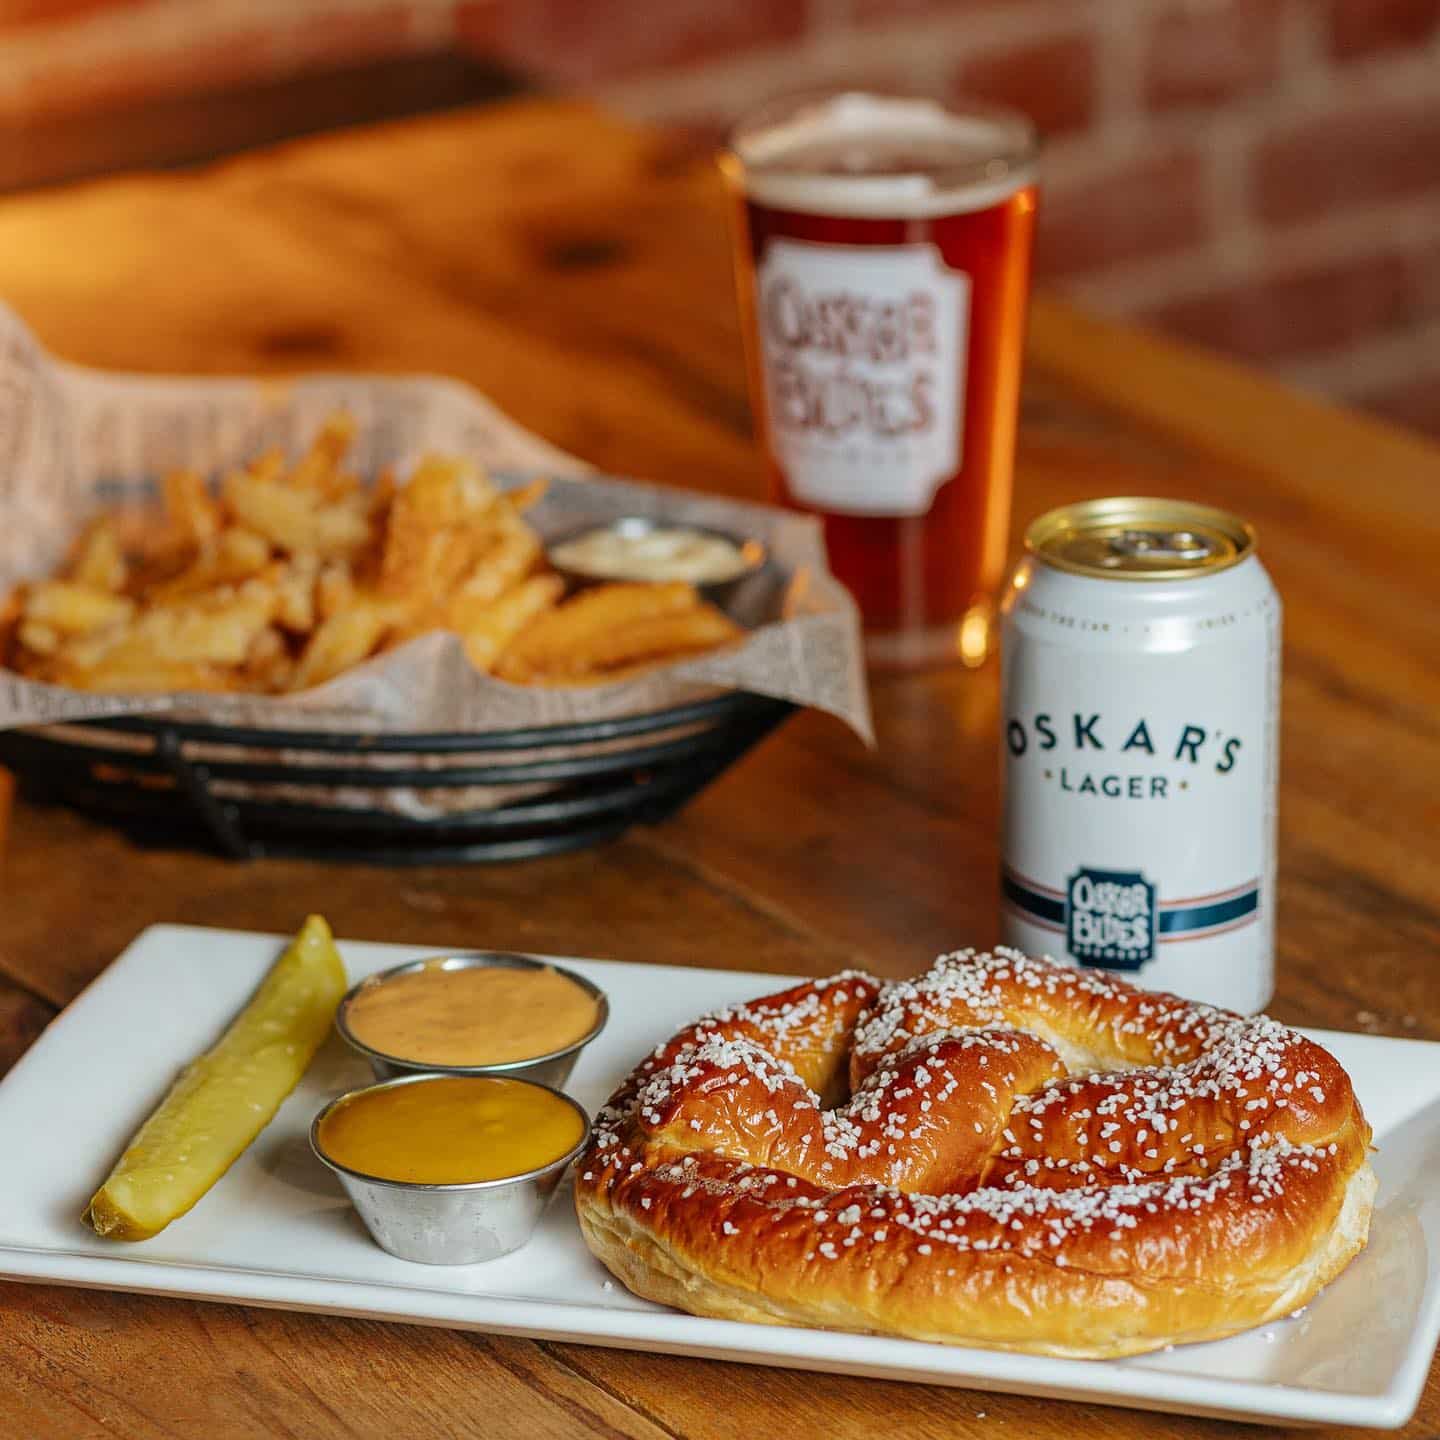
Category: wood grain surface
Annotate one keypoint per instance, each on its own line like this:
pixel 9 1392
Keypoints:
pixel 576 270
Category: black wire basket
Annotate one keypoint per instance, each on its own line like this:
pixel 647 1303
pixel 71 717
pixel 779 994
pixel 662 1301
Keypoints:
pixel 391 799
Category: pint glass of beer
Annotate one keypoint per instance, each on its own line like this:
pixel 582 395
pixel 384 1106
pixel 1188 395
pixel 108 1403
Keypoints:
pixel 883 259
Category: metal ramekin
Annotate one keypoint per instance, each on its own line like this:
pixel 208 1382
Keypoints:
pixel 754 553
pixel 552 1069
pixel 461 1224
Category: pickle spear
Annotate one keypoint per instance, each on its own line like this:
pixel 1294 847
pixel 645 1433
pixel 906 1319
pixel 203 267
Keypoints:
pixel 223 1099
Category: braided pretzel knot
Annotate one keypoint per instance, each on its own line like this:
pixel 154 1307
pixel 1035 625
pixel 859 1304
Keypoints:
pixel 1003 1152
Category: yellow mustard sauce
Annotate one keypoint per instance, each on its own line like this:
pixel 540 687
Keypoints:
pixel 450 1129
pixel 477 1016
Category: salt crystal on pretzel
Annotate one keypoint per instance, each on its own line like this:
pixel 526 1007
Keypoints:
pixel 1003 1152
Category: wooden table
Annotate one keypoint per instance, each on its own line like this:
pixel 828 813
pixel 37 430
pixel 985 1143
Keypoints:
pixel 576 271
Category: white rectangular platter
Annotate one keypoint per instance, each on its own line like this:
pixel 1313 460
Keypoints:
pixel 277 1230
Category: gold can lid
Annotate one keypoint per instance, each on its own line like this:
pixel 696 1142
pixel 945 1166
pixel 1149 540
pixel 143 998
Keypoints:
pixel 1130 537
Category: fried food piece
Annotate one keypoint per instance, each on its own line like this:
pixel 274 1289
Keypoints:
pixel 225 1098
pixel 522 497
pixel 661 638
pixel 297 520
pixel 439 531
pixel 382 495
pixel 217 627
pixel 334 589
pixel 194 516
pixel 99 558
pixel 68 608
pixel 11 612
pixel 513 552
pixel 646 646
pixel 129 673
pixel 435 533
pixel 295 587
pixel 593 612
pixel 345 638
pixel 562 642
pixel 234 555
pixel 488 626
pixel 187 645
pixel 269 666
pixel 37 638
pixel 319 468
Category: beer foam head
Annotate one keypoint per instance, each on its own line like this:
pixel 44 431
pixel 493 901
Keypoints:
pixel 873 156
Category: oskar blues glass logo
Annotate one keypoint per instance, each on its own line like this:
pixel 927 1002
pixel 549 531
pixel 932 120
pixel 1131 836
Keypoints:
pixel 1110 918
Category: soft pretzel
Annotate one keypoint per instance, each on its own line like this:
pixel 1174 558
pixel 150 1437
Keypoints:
pixel 1004 1152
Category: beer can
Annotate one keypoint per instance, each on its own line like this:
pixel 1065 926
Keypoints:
pixel 1140 705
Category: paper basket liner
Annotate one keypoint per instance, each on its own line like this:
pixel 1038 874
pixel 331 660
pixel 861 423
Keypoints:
pixel 74 442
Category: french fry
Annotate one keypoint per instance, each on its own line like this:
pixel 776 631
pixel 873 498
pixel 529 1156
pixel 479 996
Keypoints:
pixel 658 637
pixel 297 520
pixel 140 674
pixel 219 627
pixel 344 639
pixel 522 497
pixel 433 534
pixel 194 516
pixel 267 465
pixel 241 553
pixel 99 558
pixel 71 609
pixel 382 494
pixel 236 554
pixel 269 666
pixel 555 640
pixel 636 647
pixel 319 467
pixel 334 589
pixel 216 628
pixel 11 612
pixel 487 627
pixel 38 638
pixel 438 528
pixel 513 555
pixel 295 585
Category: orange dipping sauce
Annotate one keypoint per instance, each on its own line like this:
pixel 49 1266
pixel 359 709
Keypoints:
pixel 477 1015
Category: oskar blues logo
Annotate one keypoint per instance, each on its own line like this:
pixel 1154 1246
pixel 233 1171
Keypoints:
pixel 1110 918
pixel 864 358
pixel 1116 919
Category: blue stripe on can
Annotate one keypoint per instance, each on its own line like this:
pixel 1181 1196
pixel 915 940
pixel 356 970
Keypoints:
pixel 1169 922
pixel 1203 917
pixel 1044 907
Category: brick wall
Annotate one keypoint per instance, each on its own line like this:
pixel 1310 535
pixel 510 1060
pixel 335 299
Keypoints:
pixel 1261 176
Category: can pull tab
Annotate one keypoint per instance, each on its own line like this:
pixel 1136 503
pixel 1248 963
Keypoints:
pixel 1172 545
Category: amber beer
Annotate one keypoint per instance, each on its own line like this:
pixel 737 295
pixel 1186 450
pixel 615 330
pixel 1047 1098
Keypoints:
pixel 883 258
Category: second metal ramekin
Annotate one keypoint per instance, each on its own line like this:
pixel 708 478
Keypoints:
pixel 552 1069
pixel 460 1224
